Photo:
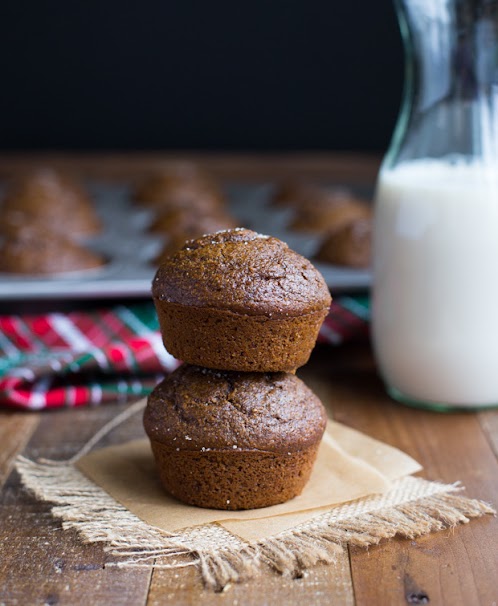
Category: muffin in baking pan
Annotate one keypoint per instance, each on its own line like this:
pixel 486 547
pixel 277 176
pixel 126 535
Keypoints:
pixel 350 245
pixel 34 252
pixel 52 202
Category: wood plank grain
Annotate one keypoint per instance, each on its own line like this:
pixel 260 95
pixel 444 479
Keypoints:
pixel 321 586
pixel 489 423
pixel 457 566
pixel 44 564
pixel 62 433
pixel 15 431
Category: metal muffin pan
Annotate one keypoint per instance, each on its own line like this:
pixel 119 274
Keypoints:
pixel 129 249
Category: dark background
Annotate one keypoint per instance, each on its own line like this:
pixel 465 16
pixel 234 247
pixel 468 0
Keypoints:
pixel 186 74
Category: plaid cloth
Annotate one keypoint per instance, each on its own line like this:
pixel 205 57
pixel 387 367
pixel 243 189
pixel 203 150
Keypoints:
pixel 92 357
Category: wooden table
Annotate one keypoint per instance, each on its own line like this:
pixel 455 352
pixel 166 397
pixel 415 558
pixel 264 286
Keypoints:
pixel 41 564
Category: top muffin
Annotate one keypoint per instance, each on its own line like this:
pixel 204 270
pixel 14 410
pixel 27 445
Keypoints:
pixel 238 300
pixel 244 272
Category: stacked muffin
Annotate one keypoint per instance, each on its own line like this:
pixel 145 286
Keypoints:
pixel 233 427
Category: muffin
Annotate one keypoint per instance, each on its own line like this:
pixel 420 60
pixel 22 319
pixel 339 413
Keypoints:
pixel 194 201
pixel 178 235
pixel 198 221
pixel 46 182
pixel 332 210
pixel 53 203
pixel 227 440
pixel 295 193
pixel 34 252
pixel 350 245
pixel 73 226
pixel 239 300
pixel 182 181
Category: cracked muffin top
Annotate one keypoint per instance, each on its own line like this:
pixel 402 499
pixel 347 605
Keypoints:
pixel 242 271
pixel 198 409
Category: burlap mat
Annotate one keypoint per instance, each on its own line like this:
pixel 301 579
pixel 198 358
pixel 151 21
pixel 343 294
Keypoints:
pixel 349 466
pixel 361 491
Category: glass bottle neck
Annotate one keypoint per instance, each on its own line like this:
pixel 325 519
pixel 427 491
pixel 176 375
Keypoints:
pixel 450 101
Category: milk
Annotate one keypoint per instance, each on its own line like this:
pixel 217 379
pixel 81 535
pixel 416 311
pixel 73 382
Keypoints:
pixel 435 297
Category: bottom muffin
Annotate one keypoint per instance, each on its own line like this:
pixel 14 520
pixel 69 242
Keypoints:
pixel 229 440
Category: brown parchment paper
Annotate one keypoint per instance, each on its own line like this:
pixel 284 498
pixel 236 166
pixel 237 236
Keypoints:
pixel 350 465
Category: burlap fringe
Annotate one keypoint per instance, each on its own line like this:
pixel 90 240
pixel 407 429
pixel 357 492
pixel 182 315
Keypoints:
pixel 224 558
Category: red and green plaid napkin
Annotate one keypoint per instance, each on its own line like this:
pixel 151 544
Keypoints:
pixel 91 357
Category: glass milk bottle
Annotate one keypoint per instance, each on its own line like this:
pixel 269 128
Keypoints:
pixel 435 294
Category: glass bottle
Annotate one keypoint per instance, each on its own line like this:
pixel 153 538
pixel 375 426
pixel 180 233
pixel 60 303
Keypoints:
pixel 435 293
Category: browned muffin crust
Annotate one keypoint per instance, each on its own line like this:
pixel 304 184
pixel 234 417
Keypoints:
pixel 232 481
pixel 331 211
pixel 51 202
pixel 73 225
pixel 195 408
pixel 46 183
pixel 181 181
pixel 238 300
pixel 350 245
pixel 233 440
pixel 295 193
pixel 178 235
pixel 36 252
pixel 240 271
pixel 223 339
